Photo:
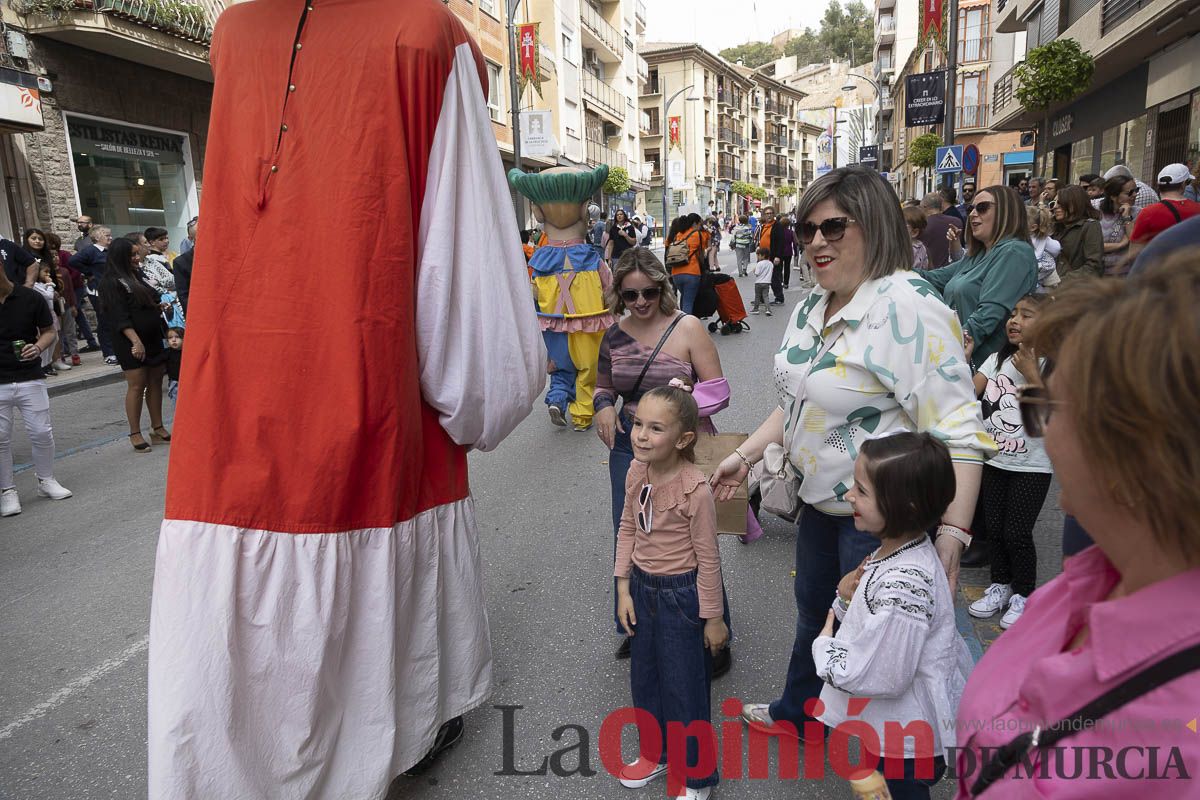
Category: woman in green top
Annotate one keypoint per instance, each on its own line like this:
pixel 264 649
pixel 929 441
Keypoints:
pixel 999 269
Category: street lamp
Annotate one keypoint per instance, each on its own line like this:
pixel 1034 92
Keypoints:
pixel 515 96
pixel 666 151
pixel 850 87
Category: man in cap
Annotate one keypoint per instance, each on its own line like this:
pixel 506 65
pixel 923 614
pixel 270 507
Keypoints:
pixel 1172 209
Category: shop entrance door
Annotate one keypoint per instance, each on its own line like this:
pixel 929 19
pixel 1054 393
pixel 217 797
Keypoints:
pixel 1171 147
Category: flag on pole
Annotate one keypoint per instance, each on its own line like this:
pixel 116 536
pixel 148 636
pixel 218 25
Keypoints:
pixel 931 17
pixel 673 126
pixel 528 48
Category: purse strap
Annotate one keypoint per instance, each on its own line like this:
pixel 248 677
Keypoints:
pixel 802 390
pixel 666 335
pixel 1147 680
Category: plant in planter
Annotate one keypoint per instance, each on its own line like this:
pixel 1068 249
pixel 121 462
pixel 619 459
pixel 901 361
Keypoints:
pixel 1053 74
pixel 617 181
pixel 923 150
pixel 53 9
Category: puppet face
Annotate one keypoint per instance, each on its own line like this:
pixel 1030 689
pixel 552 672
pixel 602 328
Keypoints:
pixel 563 215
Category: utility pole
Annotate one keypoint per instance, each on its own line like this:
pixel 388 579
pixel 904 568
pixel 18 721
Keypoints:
pixel 514 95
pixel 666 151
pixel 951 79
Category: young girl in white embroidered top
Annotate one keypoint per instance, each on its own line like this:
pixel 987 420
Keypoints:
pixel 897 652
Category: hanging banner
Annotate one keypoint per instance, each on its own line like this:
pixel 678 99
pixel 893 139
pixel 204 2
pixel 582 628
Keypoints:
pixel 536 139
pixel 824 153
pixel 931 17
pixel 675 174
pixel 925 99
pixel 528 47
pixel 673 126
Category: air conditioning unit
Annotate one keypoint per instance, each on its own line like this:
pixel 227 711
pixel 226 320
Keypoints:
pixel 612 129
pixel 590 59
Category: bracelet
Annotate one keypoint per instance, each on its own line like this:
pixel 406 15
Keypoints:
pixel 737 452
pixel 963 535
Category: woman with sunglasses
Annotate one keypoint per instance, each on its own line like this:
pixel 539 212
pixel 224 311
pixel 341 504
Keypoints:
pixel 1119 423
pixel 999 269
pixel 868 351
pixel 630 365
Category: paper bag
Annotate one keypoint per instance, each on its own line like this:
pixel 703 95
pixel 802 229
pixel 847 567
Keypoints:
pixel 711 449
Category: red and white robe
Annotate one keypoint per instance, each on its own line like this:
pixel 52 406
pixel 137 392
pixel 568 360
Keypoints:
pixel 359 318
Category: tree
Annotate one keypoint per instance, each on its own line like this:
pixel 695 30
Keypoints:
pixel 848 33
pixel 786 191
pixel 923 150
pixel 752 54
pixel 806 48
pixel 617 181
pixel 1052 74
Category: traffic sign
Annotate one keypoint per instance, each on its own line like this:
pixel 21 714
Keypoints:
pixel 970 159
pixel 949 159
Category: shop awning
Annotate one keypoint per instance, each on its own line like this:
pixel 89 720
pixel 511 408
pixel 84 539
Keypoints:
pixel 20 103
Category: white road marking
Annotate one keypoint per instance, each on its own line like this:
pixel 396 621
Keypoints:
pixel 87 679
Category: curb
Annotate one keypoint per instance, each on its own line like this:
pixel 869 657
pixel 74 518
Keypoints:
pixel 57 389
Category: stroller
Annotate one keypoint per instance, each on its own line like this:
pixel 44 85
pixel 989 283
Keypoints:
pixel 718 294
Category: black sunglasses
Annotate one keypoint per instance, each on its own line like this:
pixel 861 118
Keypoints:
pixel 983 207
pixel 650 293
pixel 832 229
pixel 1036 405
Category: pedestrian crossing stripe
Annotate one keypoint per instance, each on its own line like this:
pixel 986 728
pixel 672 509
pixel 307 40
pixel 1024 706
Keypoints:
pixel 949 163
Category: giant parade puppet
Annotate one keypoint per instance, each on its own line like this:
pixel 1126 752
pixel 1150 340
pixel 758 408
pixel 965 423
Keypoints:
pixel 569 280
pixel 318 622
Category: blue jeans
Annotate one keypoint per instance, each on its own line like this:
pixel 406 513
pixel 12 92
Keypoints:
pixel 619 460
pixel 910 787
pixel 562 380
pixel 102 327
pixel 827 547
pixel 687 286
pixel 670 673
pixel 81 319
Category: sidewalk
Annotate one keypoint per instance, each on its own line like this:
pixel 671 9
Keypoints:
pixel 93 372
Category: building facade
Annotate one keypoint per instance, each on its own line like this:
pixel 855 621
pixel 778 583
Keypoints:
pixel 1143 106
pixel 116 98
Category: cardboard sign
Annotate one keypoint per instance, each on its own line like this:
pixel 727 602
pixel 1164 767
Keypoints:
pixel 711 449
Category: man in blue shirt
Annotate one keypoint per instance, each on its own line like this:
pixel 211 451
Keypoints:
pixel 91 261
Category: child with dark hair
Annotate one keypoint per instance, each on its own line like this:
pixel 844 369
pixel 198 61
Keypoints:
pixel 174 360
pixel 1015 482
pixel 668 571
pixel 763 270
pixel 897 644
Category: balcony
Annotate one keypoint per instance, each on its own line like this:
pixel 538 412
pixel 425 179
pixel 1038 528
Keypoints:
pixel 1005 105
pixel 639 12
pixel 708 131
pixel 724 96
pixel 977 49
pixel 725 134
pixel 597 154
pixel 644 123
pixel 776 170
pixel 603 98
pixel 885 30
pixel 774 107
pixel 643 69
pixel 884 5
pixel 649 86
pixel 966 117
pixel 604 38
pixel 728 173
pixel 171 37
pixel 775 140
pixel 739 139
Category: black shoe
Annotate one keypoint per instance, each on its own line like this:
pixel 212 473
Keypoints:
pixel 623 650
pixel 448 735
pixel 721 663
pixel 777 302
pixel 978 555
pixel 91 348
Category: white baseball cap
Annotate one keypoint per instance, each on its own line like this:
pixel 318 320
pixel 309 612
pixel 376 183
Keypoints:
pixel 1174 175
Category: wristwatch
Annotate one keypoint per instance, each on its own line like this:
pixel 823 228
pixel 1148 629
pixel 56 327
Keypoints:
pixel 954 532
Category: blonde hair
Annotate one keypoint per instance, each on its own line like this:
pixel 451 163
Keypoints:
pixel 641 259
pixel 1133 405
pixel 1040 219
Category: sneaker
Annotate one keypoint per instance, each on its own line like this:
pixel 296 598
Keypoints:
pixel 585 427
pixel 758 716
pixel 49 371
pixel 1016 607
pixel 697 794
pixel 635 775
pixel 91 348
pixel 61 365
pixel 769 312
pixel 76 361
pixel 111 361
pixel 10 503
pixel 755 311
pixel 994 599
pixel 557 416
pixel 48 487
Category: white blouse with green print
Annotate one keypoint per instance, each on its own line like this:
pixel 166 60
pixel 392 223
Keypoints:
pixel 898 364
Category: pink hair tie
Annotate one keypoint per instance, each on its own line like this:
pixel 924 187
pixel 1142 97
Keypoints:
pixel 677 383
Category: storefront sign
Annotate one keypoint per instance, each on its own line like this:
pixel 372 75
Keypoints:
pixel 119 140
pixel 1062 125
pixel 1123 99
pixel 925 99
pixel 20 102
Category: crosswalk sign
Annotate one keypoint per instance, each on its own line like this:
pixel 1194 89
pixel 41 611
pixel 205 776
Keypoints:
pixel 949 159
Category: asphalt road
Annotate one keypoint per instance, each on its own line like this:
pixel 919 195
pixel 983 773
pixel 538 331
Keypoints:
pixel 75 581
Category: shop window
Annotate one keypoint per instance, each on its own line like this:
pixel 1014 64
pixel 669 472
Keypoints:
pixel 1110 148
pixel 1194 134
pixel 130 178
pixel 1081 158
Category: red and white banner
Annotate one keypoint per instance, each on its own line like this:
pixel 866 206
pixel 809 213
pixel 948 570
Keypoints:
pixel 931 17
pixel 528 49
pixel 673 128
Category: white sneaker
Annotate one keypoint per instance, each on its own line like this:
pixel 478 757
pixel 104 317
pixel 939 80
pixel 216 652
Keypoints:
pixel 48 487
pixel 994 599
pixel 1016 607
pixel 10 503
pixel 61 365
pixel 628 779
pixel 697 794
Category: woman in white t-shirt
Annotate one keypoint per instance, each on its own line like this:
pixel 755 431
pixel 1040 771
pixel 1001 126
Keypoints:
pixel 1016 481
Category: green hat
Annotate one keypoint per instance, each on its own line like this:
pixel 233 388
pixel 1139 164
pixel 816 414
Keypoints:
pixel 568 186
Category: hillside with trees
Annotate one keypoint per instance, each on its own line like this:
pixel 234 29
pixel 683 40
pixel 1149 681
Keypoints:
pixel 846 34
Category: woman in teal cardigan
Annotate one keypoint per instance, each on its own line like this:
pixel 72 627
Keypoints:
pixel 999 269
